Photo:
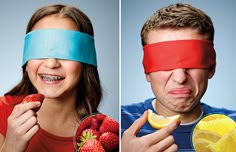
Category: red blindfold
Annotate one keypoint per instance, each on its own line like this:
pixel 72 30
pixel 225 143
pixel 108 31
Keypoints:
pixel 169 55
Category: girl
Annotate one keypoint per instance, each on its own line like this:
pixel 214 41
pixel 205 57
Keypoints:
pixel 67 76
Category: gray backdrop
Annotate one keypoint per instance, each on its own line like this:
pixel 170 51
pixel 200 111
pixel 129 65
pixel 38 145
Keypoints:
pixel 14 16
pixel 221 89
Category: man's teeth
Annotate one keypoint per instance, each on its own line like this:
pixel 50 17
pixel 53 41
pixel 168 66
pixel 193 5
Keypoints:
pixel 51 78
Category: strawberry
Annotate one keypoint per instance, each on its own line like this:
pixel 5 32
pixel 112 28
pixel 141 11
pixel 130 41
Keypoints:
pixel 94 124
pixel 93 132
pixel 33 98
pixel 84 124
pixel 89 143
pixel 90 122
pixel 109 141
pixel 109 125
pixel 92 145
pixel 100 117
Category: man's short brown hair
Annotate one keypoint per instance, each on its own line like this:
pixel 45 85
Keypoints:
pixel 177 16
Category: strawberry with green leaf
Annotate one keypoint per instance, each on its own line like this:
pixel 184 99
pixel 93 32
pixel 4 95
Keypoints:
pixel 89 143
pixel 94 133
pixel 84 124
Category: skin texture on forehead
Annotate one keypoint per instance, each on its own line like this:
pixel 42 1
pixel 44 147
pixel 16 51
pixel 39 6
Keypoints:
pixel 161 35
pixel 54 21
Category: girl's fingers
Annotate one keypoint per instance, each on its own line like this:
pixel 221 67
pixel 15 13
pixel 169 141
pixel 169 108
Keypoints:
pixel 22 108
pixel 28 124
pixel 29 134
pixel 23 121
pixel 23 118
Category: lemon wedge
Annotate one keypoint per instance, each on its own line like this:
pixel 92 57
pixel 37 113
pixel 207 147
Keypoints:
pixel 158 122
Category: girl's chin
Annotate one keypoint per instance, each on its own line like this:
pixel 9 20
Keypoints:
pixel 50 94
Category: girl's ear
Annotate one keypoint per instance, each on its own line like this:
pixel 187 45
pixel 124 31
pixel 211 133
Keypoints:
pixel 147 77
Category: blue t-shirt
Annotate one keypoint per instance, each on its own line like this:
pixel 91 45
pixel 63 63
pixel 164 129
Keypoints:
pixel 182 135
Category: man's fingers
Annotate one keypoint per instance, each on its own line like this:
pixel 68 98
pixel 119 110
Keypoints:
pixel 137 125
pixel 164 144
pixel 172 148
pixel 164 132
pixel 172 126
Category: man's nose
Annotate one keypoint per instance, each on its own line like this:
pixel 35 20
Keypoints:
pixel 179 75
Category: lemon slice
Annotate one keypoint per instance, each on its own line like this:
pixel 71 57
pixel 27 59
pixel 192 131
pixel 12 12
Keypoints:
pixel 214 133
pixel 226 143
pixel 205 134
pixel 158 122
pixel 217 123
pixel 201 145
pixel 202 138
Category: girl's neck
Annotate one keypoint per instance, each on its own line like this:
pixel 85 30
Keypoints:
pixel 58 117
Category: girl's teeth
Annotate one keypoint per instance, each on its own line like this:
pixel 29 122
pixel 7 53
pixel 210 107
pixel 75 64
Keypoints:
pixel 51 78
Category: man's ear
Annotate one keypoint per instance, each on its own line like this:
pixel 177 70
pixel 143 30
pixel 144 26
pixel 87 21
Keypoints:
pixel 211 72
pixel 147 77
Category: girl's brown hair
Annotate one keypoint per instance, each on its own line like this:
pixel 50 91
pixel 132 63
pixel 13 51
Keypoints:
pixel 89 91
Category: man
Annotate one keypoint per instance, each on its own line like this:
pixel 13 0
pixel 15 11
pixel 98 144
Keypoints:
pixel 179 58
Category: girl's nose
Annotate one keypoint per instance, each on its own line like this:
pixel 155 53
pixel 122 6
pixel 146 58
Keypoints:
pixel 52 63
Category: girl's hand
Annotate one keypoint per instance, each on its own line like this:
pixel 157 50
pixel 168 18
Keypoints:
pixel 159 141
pixel 22 125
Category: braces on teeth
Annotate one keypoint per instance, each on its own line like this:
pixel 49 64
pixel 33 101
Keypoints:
pixel 51 78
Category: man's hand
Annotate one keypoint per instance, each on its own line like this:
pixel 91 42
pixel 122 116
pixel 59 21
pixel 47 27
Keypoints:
pixel 159 141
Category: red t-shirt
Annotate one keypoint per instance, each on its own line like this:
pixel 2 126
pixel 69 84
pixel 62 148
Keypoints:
pixel 42 141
